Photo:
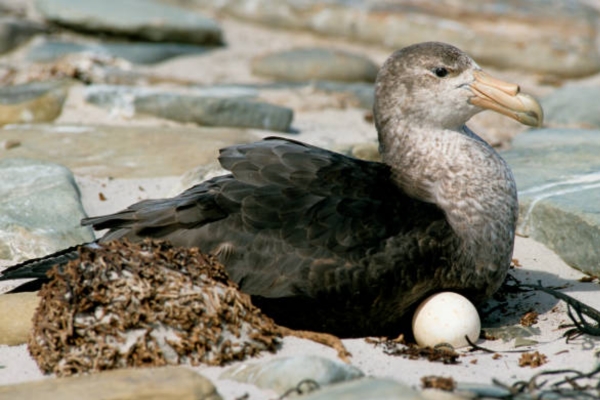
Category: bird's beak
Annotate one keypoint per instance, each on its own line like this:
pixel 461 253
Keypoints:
pixel 504 97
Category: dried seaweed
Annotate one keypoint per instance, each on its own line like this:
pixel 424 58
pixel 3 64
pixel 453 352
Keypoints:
pixel 397 347
pixel 438 382
pixel 146 304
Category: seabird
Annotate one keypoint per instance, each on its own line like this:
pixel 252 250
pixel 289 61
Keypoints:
pixel 330 243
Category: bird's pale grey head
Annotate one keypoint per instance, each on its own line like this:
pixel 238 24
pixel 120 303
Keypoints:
pixel 437 85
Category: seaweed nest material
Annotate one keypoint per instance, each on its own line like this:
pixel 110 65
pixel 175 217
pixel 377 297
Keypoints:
pixel 122 304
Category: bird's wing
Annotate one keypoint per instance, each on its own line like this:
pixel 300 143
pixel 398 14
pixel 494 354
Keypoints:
pixel 288 213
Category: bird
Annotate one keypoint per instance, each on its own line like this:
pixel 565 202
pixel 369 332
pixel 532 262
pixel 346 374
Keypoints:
pixel 330 243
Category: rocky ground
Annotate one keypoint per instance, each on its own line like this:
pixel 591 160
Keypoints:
pixel 102 106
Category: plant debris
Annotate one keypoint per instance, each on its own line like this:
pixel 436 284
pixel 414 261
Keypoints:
pixel 397 347
pixel 530 318
pixel 438 382
pixel 148 304
pixel 532 360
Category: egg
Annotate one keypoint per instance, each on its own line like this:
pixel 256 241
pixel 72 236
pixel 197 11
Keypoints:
pixel 446 317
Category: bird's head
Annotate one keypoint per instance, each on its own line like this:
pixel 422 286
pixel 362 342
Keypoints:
pixel 437 85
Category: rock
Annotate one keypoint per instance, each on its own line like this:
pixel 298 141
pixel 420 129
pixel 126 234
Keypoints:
pixel 558 176
pixel 40 209
pixel 142 19
pixel 32 102
pixel 358 94
pixel 366 388
pixel 135 52
pixel 123 152
pixel 284 373
pixel 209 111
pixel 560 36
pixel 14 32
pixel 315 64
pixel 573 106
pixel 202 109
pixel 16 315
pixel 168 383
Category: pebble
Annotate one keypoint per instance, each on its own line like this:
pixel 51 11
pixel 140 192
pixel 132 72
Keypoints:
pixel 142 19
pixel 134 52
pixel 40 209
pixel 32 102
pixel 167 383
pixel 366 388
pixel 315 64
pixel 285 373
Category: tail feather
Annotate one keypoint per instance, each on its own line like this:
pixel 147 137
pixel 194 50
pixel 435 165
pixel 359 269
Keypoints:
pixel 37 267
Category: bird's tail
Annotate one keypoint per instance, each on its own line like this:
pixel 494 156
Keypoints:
pixel 37 267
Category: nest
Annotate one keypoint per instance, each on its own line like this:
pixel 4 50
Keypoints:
pixel 148 304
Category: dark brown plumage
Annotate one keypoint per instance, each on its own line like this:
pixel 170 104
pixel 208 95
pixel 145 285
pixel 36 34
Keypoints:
pixel 330 243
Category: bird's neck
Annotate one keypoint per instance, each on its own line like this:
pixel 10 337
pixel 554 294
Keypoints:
pixel 466 178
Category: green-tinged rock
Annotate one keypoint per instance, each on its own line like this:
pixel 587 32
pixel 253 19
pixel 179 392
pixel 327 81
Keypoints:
pixel 211 111
pixel 558 176
pixel 143 19
pixel 135 52
pixel 573 106
pixel 366 388
pixel 40 209
pixel 14 32
pixel 169 383
pixel 32 102
pixel 315 64
pixel 122 151
pixel 282 374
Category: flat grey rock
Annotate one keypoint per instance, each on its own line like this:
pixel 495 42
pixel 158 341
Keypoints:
pixel 315 64
pixel 209 107
pixel 558 176
pixel 14 32
pixel 122 151
pixel 560 36
pixel 40 209
pixel 573 106
pixel 366 388
pixel 135 52
pixel 32 102
pixel 143 19
pixel 284 373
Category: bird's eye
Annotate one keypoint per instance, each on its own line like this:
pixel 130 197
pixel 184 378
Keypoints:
pixel 440 72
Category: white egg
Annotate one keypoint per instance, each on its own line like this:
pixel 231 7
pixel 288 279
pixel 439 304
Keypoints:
pixel 446 317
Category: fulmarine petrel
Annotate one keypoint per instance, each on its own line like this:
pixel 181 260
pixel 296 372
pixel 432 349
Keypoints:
pixel 330 243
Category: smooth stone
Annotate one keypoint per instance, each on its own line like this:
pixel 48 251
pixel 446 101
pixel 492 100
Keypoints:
pixel 122 151
pixel 481 390
pixel 560 37
pixel 366 388
pixel 167 383
pixel 143 19
pixel 284 373
pixel 32 102
pixel 135 52
pixel 207 108
pixel 16 317
pixel 14 32
pixel 359 94
pixel 558 176
pixel 40 209
pixel 315 64
pixel 573 106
